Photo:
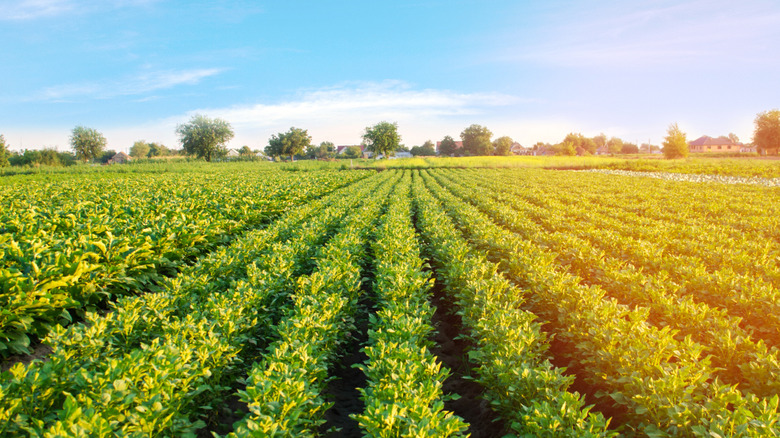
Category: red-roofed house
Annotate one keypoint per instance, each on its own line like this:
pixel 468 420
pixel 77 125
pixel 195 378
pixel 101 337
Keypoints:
pixel 706 143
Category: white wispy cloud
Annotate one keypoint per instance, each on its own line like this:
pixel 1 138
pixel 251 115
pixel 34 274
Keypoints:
pixel 139 84
pixel 340 113
pixel 34 9
pixel 378 100
pixel 31 9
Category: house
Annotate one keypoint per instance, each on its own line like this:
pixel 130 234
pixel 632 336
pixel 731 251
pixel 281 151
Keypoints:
pixel 706 143
pixel 603 150
pixel 340 149
pixel 232 153
pixel 748 149
pixel 120 158
pixel 401 155
pixel 518 149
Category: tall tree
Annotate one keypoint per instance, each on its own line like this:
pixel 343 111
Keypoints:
pixel 733 137
pixel 382 138
pixel 204 137
pixel 447 146
pixel 428 149
pixel 767 133
pixel 290 143
pixel 476 140
pixel 600 140
pixel 675 144
pixel 580 142
pixel 159 150
pixel 502 146
pixel 4 152
pixel 615 145
pixel 325 150
pixel 87 143
pixel 245 151
pixel 139 149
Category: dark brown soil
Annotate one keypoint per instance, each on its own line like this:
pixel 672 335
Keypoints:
pixel 342 391
pixel 40 351
pixel 483 421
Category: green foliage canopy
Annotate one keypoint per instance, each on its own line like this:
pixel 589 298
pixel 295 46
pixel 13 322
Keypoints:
pixel 448 147
pixel 382 138
pixel 675 144
pixel 502 146
pixel 353 152
pixel 476 140
pixel 426 150
pixel 767 133
pixel 87 143
pixel 290 143
pixel 204 137
pixel 4 153
pixel 139 149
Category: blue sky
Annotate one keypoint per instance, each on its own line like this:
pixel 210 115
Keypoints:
pixel 535 71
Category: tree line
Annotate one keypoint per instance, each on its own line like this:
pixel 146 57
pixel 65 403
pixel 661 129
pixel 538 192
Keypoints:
pixel 206 138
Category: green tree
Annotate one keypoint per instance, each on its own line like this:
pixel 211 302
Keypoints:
pixel 502 146
pixel 476 140
pixel 245 151
pixel 615 145
pixel 204 137
pixel 447 146
pixel 139 149
pixel 426 150
pixel 629 148
pixel 4 152
pixel 325 150
pixel 767 133
pixel 290 143
pixel 382 138
pixel 159 150
pixel 580 143
pixel 353 152
pixel 87 143
pixel 600 140
pixel 106 155
pixel 675 144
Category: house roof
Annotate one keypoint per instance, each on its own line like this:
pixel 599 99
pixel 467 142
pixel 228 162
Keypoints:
pixel 706 140
pixel 458 144
pixel 340 149
pixel 121 155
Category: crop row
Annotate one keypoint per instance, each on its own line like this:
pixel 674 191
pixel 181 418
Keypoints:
pixel 162 364
pixel 511 350
pixel 736 357
pixel 658 385
pixel 403 396
pixel 284 389
pixel 70 246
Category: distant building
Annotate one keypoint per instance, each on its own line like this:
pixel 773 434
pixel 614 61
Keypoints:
pixel 401 155
pixel 120 158
pixel 706 143
pixel 232 153
pixel 341 149
pixel 518 149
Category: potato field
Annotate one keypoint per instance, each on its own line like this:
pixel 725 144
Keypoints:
pixel 427 302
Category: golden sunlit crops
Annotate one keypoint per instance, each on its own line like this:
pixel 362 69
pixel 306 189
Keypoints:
pixel 254 301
